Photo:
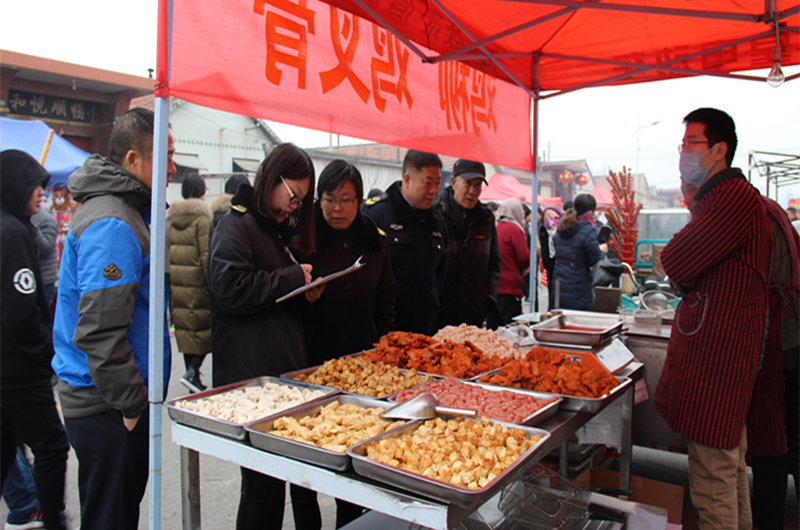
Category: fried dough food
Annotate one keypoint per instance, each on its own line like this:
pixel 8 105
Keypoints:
pixel 463 453
pixel 425 354
pixel 361 376
pixel 549 371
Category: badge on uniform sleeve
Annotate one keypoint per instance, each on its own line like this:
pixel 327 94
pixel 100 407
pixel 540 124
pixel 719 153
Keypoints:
pixel 437 234
pixel 25 281
pixel 112 272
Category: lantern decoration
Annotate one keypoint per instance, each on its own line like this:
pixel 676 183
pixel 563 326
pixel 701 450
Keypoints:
pixel 582 180
pixel 565 177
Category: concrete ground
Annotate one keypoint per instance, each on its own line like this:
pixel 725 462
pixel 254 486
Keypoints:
pixel 219 480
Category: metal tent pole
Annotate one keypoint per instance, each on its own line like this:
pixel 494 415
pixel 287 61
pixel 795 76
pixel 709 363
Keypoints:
pixel 155 387
pixel 533 286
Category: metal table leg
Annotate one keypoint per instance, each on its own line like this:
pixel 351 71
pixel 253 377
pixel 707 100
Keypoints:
pixel 563 459
pixel 627 444
pixel 190 489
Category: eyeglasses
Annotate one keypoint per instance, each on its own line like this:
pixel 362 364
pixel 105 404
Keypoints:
pixel 688 144
pixel 294 200
pixel 333 202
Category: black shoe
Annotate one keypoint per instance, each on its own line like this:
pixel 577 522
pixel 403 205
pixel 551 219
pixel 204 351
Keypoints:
pixel 191 380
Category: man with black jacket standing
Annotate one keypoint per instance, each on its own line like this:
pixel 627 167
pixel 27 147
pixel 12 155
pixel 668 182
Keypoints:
pixel 27 405
pixel 417 240
pixel 473 268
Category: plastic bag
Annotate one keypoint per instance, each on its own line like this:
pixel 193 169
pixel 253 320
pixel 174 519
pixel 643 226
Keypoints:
pixel 519 335
pixel 605 428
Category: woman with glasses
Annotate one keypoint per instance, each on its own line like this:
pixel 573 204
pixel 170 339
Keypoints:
pixel 250 266
pixel 357 308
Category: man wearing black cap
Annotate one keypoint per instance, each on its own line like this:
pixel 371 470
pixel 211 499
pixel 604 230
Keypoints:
pixel 27 405
pixel 470 285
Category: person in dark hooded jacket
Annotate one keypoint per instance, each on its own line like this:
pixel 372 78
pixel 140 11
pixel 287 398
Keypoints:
pixel 577 251
pixel 27 406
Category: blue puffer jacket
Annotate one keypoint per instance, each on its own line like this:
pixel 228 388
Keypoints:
pixel 576 254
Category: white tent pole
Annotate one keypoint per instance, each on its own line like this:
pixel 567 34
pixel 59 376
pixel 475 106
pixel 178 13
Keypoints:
pixel 155 389
pixel 533 284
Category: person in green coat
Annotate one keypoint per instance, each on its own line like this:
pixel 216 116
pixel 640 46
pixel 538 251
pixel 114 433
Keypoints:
pixel 189 222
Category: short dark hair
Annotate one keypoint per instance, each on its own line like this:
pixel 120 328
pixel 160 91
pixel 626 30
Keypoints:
pixel 584 203
pixel 374 192
pixel 336 173
pixel 420 159
pixel 791 209
pixel 233 183
pixel 719 127
pixel 291 163
pixel 132 131
pixel 193 187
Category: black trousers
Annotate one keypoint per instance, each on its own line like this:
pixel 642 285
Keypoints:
pixel 261 502
pixel 29 412
pixel 508 306
pixel 305 510
pixel 791 397
pixel 769 491
pixel 112 468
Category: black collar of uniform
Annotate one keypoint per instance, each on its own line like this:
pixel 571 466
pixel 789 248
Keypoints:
pixel 244 202
pixel 364 231
pixel 452 211
pixel 404 211
pixel 725 174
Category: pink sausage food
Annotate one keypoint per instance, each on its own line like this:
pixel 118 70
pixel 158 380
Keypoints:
pixel 503 405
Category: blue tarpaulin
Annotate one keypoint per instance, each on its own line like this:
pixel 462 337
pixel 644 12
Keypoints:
pixel 30 136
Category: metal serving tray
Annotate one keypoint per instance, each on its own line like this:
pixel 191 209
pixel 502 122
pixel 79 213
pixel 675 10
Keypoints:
pixel 292 376
pixel 533 419
pixel 575 327
pixel 227 428
pixel 259 432
pixel 469 499
pixel 591 405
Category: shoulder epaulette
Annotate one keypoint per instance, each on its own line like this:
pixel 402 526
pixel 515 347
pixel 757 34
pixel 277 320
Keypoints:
pixel 374 200
pixel 381 232
pixel 239 208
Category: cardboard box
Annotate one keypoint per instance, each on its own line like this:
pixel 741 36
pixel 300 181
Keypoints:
pixel 645 491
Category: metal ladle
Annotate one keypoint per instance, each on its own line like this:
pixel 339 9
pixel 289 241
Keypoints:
pixel 423 407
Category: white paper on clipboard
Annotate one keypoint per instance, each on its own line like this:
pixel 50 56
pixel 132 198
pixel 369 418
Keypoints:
pixel 325 279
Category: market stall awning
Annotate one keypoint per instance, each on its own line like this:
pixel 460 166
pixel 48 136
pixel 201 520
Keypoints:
pixel 502 187
pixel 246 164
pixel 30 136
pixel 603 196
pixel 188 160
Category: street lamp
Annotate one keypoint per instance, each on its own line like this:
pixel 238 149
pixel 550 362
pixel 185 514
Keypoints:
pixel 639 128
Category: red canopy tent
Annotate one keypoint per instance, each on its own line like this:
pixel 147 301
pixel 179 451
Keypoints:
pixel 502 187
pixel 297 62
pixel 603 196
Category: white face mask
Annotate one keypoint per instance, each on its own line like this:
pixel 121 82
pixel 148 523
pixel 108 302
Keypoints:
pixel 691 170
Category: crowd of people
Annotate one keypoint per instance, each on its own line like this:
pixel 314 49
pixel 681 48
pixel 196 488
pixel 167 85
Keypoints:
pixel 432 257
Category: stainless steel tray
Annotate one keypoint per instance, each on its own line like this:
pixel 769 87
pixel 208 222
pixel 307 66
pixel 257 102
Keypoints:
pixel 531 420
pixel 292 376
pixel 260 436
pixel 591 405
pixel 419 484
pixel 227 428
pixel 578 328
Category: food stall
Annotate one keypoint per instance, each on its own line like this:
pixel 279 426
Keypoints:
pixel 396 493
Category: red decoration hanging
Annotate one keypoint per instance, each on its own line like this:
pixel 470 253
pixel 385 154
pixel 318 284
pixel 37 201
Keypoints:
pixel 582 180
pixel 565 177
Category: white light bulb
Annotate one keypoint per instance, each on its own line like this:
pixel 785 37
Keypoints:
pixel 775 77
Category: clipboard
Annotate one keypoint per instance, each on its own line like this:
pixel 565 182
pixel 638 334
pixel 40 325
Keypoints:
pixel 325 279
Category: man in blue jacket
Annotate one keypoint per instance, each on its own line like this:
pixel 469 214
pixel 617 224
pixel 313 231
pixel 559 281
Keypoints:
pixel 101 324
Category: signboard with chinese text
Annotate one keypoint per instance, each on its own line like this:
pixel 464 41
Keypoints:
pixel 306 63
pixel 794 203
pixel 49 107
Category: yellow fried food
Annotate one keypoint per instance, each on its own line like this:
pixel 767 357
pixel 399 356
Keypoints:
pixel 335 427
pixel 464 453
pixel 360 376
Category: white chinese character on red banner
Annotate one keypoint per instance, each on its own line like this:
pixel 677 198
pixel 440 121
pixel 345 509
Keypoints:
pixel 467 95
pixel 348 31
pixel 389 68
pixel 287 39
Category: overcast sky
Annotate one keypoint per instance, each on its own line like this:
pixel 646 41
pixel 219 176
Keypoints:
pixel 598 124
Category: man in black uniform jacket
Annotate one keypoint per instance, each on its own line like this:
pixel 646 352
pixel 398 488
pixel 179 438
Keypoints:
pixel 417 240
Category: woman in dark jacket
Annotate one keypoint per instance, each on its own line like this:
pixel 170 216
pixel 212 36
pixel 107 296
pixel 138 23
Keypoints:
pixel 249 267
pixel 577 251
pixel 356 310
pixel 515 260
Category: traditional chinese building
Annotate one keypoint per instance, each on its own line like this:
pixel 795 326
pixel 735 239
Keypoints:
pixel 78 102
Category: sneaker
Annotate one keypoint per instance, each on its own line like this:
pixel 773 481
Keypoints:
pixel 191 380
pixel 21 521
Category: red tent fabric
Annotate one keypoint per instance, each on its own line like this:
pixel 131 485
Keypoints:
pixel 603 196
pixel 502 187
pixel 545 45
